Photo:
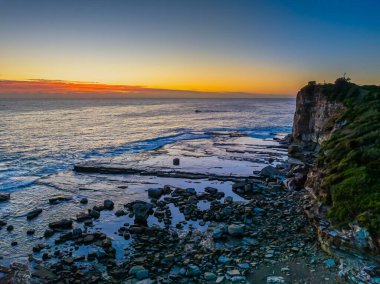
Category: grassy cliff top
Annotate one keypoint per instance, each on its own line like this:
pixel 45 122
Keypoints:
pixel 350 159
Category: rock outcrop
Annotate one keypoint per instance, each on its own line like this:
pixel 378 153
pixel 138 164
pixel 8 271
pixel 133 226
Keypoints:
pixel 313 116
pixel 335 132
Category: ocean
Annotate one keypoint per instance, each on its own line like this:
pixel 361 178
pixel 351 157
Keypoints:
pixel 41 137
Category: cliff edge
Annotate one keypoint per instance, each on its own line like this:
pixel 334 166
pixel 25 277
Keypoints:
pixel 336 131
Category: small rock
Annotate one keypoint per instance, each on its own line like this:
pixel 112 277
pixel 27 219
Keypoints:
pixel 176 161
pixel 5 196
pixel 236 230
pixel 84 200
pixel 193 270
pixel 270 172
pixel 33 214
pixel 329 262
pixel 48 233
pixel 224 259
pixel 63 224
pixel 275 280
pixel 10 228
pixel 14 243
pixel 30 232
pixel 108 204
pixel 94 213
pixel 209 276
pixel 155 192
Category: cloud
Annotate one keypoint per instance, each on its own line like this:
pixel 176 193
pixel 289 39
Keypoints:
pixel 41 88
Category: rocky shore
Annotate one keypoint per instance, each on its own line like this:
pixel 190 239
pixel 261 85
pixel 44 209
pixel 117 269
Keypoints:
pixel 223 209
pixel 192 221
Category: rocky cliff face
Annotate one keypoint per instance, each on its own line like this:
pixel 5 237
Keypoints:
pixel 336 133
pixel 313 119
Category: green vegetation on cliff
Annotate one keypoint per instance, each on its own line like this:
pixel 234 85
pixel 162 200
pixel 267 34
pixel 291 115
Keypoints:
pixel 350 159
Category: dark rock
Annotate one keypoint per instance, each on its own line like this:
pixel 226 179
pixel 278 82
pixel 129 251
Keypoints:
pixel 10 228
pixel 77 232
pixel 211 190
pixel 108 204
pixel 82 216
pixel 120 212
pixel 176 161
pixel 2 223
pixel 14 243
pixel 141 210
pixel 94 214
pixel 84 200
pixel 5 196
pixel 63 224
pixel 236 230
pixel 48 233
pixel 30 232
pixel 155 192
pixel 58 199
pixel 270 172
pixel 33 214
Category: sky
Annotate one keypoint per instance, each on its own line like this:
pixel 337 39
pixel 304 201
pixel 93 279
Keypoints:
pixel 235 47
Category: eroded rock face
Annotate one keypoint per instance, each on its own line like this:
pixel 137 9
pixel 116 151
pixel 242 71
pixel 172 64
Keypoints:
pixel 313 116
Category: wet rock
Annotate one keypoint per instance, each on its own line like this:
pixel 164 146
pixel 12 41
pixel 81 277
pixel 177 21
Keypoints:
pixel 48 233
pixel 14 243
pixel 84 201
pixel 218 232
pixel 211 190
pixel 270 172
pixel 58 199
pixel 120 212
pixel 5 196
pixel 2 223
pixel 77 232
pixel 141 210
pixel 63 224
pixel 193 270
pixel 224 259
pixel 30 232
pixel 108 204
pixel 139 272
pixel 94 213
pixel 33 214
pixel 191 191
pixel 275 280
pixel 209 276
pixel 176 161
pixel 10 228
pixel 155 192
pixel 329 262
pixel 236 230
pixel 82 216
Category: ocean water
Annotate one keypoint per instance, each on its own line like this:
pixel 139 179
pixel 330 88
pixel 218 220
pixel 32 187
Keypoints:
pixel 40 137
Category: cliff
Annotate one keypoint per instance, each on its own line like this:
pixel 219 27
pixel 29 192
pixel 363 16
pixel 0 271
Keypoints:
pixel 336 130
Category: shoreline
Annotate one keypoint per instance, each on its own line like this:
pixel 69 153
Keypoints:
pixel 237 221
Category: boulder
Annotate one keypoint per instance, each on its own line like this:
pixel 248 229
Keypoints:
pixel 155 192
pixel 108 204
pixel 270 172
pixel 139 272
pixel 84 201
pixel 5 196
pixel 141 210
pixel 63 224
pixel 236 230
pixel 211 190
pixel 33 214
pixel 193 270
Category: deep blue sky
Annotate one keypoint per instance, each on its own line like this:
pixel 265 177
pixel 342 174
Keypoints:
pixel 253 46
